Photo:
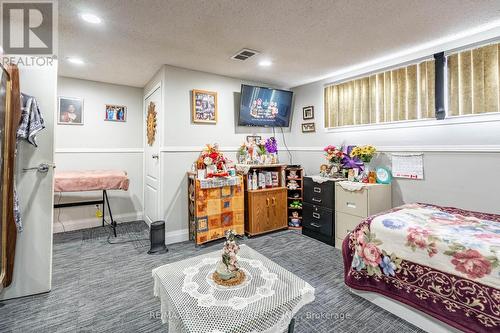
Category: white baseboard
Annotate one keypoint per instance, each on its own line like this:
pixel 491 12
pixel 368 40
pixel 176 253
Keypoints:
pixel 403 311
pixel 86 223
pixel 176 236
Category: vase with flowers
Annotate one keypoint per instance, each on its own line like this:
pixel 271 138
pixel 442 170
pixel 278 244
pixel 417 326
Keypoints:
pixel 334 156
pixel 365 154
pixel 243 153
pixel 261 150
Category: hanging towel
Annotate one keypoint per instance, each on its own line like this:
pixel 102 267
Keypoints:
pixel 31 119
pixel 30 124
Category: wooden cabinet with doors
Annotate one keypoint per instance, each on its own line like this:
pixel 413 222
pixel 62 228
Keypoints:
pixel 265 208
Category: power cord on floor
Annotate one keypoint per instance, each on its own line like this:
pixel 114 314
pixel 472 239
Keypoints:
pixel 110 228
pixel 110 234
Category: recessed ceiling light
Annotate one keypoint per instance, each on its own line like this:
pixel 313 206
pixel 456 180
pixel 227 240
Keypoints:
pixel 90 18
pixel 265 63
pixel 75 61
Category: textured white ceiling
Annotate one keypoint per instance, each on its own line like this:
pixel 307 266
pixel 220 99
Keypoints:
pixel 304 39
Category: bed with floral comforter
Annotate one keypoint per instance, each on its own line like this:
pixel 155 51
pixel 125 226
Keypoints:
pixel 442 261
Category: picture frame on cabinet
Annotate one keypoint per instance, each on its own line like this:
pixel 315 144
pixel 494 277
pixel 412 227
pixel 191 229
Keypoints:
pixel 204 106
pixel 308 112
pixel 308 127
pixel 253 138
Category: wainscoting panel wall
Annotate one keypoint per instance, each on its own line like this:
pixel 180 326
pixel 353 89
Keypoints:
pixel 126 205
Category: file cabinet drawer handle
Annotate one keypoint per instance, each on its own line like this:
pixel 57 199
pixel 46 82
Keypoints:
pixel 315 225
pixel 317 189
pixel 316 216
pixel 351 204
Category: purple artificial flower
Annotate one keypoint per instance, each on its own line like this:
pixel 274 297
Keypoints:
pixel 271 145
pixel 349 162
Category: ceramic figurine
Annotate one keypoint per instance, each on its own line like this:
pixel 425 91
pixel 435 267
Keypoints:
pixel 292 184
pixel 295 221
pixel 350 175
pixel 372 177
pixel 323 170
pixel 228 266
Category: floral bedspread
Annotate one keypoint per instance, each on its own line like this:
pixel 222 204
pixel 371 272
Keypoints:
pixel 443 261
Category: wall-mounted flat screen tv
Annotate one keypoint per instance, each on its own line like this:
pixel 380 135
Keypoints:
pixel 265 107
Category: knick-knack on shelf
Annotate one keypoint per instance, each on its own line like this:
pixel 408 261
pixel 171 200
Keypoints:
pixel 292 184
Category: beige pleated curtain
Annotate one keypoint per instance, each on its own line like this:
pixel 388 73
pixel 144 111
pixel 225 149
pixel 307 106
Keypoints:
pixel 473 81
pixel 401 94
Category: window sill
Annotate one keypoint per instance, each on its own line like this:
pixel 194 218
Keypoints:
pixel 452 120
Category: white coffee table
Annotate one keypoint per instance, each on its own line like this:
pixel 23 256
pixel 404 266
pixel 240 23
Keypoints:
pixel 265 302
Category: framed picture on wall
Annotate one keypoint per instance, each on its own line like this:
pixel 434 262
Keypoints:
pixel 308 127
pixel 308 112
pixel 204 107
pixel 70 111
pixel 116 113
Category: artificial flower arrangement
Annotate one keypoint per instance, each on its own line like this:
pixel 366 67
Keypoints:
pixel 364 153
pixel 261 147
pixel 333 154
pixel 259 152
pixel 361 156
pixel 348 161
pixel 213 161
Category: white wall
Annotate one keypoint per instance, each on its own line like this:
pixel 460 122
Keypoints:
pixel 100 144
pixel 182 140
pixel 33 260
pixel 460 160
pixel 460 155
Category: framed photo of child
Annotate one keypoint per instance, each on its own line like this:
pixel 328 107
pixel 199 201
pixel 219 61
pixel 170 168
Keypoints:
pixel 70 111
pixel 204 108
pixel 116 113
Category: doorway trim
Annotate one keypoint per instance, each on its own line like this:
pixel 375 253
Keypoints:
pixel 159 134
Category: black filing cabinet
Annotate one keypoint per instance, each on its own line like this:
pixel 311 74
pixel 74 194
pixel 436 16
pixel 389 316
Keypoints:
pixel 318 217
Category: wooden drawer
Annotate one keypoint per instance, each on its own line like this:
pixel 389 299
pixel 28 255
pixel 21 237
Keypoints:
pixel 345 223
pixel 318 219
pixel 319 194
pixel 353 203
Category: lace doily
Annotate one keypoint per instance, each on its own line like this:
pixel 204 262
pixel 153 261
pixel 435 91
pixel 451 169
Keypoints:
pixel 320 179
pixel 265 302
pixel 352 186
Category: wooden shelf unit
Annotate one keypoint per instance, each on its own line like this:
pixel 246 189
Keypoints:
pixel 290 194
pixel 213 211
pixel 265 209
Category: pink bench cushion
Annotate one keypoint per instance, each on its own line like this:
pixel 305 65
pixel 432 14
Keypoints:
pixel 90 180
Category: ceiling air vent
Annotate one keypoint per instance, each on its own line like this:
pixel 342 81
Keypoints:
pixel 244 54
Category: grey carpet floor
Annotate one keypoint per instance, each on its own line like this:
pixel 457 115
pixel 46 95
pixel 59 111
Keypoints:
pixel 102 287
